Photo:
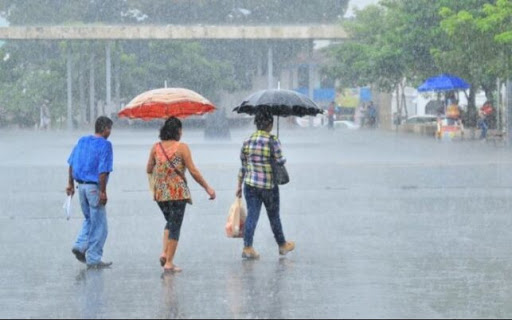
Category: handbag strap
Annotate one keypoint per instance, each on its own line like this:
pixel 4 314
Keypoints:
pixel 171 164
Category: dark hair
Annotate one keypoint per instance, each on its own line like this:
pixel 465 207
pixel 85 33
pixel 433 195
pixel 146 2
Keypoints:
pixel 263 119
pixel 171 129
pixel 102 123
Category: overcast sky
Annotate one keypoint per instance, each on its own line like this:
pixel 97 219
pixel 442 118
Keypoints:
pixel 359 4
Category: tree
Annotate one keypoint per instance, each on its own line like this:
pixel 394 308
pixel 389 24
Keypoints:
pixel 414 40
pixel 374 55
pixel 205 66
pixel 239 11
pixel 495 21
pixel 472 52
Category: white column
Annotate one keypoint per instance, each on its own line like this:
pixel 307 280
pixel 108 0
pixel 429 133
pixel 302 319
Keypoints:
pixel 81 85
pixel 92 93
pixel 108 69
pixel 270 68
pixel 70 91
pixel 508 113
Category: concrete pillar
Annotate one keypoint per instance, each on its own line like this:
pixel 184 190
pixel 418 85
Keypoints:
pixel 81 87
pixel 70 89
pixel 383 101
pixel 311 83
pixel 108 69
pixel 270 68
pixel 508 113
pixel 92 93
pixel 117 79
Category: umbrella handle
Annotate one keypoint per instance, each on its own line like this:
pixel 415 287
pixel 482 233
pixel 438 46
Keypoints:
pixel 277 126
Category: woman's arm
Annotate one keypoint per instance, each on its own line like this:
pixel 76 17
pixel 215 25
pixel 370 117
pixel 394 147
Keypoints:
pixel 241 172
pixel 151 161
pixel 194 172
pixel 278 153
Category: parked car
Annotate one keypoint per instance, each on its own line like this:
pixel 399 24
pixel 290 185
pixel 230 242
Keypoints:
pixel 345 124
pixel 428 118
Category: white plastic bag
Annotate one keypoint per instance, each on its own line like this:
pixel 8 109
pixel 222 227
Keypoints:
pixel 236 219
pixel 67 207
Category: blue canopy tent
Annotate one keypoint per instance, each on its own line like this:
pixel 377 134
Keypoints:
pixel 443 82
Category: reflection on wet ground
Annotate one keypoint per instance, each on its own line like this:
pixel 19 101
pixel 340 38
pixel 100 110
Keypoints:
pixel 386 226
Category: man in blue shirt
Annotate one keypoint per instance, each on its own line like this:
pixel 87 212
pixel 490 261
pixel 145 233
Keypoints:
pixel 90 163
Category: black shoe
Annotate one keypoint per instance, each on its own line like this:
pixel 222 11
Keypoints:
pixel 80 256
pixel 99 265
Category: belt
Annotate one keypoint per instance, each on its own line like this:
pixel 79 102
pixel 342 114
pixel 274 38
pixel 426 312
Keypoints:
pixel 86 182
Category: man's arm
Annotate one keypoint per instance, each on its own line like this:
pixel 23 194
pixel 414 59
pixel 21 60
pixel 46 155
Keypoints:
pixel 103 188
pixel 70 190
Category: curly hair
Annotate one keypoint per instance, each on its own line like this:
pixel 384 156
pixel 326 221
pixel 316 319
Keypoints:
pixel 171 129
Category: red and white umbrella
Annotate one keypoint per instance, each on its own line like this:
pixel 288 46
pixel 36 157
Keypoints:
pixel 166 102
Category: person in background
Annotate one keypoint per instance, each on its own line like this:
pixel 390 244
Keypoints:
pixel 482 124
pixel 453 112
pixel 330 116
pixel 259 188
pixel 90 164
pixel 372 115
pixel 358 114
pixel 45 117
pixel 168 160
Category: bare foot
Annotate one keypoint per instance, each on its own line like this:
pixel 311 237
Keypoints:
pixel 173 268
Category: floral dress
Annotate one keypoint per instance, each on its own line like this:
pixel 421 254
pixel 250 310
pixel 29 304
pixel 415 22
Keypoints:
pixel 168 185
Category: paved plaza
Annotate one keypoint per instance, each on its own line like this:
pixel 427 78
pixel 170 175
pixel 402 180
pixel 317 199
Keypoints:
pixel 386 226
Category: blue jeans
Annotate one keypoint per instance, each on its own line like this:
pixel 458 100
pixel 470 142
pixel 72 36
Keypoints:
pixel 93 234
pixel 483 125
pixel 254 197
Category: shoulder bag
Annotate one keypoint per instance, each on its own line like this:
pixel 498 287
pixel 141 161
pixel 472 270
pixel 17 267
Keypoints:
pixel 279 172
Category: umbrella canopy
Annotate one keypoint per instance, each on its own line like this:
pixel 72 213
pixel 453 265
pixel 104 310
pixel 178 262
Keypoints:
pixel 279 102
pixel 166 102
pixel 443 82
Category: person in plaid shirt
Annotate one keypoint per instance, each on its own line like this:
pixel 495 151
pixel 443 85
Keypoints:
pixel 258 185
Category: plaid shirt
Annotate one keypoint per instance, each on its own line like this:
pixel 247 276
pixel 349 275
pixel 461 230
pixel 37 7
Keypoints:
pixel 256 170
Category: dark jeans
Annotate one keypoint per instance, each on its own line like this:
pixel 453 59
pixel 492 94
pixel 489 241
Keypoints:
pixel 173 213
pixel 482 124
pixel 254 197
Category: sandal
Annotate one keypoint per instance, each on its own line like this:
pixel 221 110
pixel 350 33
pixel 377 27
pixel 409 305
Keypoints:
pixel 163 259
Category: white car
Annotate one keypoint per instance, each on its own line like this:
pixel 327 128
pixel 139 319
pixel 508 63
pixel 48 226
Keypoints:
pixel 345 124
pixel 428 118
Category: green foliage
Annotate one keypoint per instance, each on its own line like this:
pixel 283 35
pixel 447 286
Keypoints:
pixel 36 71
pixel 474 54
pixel 179 63
pixel 241 11
pixel 495 22
pixel 374 54
pixel 24 85
pixel 417 39
pixel 51 12
pixel 40 12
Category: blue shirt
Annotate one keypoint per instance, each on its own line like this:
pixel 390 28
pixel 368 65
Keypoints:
pixel 90 157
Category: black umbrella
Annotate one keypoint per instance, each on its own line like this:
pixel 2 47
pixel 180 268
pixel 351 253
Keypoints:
pixel 280 103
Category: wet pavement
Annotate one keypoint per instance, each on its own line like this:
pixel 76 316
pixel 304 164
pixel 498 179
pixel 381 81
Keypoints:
pixel 386 226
